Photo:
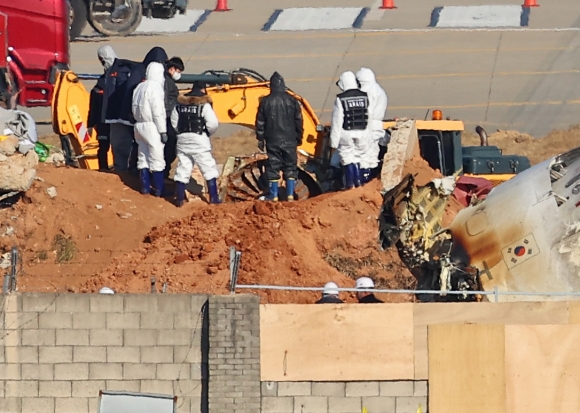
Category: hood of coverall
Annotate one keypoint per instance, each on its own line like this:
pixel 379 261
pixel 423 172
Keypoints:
pixel 156 73
pixel 107 55
pixel 366 77
pixel 277 83
pixel 157 54
pixel 347 81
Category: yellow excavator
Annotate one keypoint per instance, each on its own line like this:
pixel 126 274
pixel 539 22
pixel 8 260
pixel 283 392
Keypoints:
pixel 236 95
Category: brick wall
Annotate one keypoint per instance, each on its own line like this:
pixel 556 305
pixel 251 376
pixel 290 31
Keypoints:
pixel 234 354
pixel 58 351
pixel 341 397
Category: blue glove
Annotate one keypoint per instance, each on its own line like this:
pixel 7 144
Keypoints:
pixel 163 138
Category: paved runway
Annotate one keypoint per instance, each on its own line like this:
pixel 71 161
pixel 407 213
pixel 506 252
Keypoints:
pixel 525 79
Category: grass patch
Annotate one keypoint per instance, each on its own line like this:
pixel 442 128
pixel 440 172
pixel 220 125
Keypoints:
pixel 65 248
pixel 42 255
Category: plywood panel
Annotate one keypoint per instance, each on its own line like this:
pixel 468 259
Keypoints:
pixel 466 368
pixel 573 312
pixel 480 313
pixel 336 343
pixel 543 368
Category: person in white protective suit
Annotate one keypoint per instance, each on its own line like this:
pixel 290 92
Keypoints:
pixel 376 133
pixel 348 128
pixel 151 128
pixel 195 121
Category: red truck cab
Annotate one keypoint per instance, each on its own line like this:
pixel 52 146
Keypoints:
pixel 35 41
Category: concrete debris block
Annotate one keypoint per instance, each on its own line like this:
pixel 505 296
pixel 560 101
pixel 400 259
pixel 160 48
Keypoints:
pixel 3 158
pixel 124 215
pixel 5 261
pixel 51 191
pixel 9 232
pixel 99 206
pixel 55 158
pixel 8 146
pixel 17 172
pixel 404 145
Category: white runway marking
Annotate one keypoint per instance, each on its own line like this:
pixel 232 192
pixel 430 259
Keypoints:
pixel 480 16
pixel 179 23
pixel 323 18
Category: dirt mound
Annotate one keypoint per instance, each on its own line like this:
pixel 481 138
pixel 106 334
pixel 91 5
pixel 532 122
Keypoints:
pixel 536 149
pixel 67 238
pixel 329 238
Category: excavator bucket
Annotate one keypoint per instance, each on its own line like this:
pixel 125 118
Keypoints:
pixel 70 109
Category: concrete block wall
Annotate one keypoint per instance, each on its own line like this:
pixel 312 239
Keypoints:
pixel 58 350
pixel 344 397
pixel 234 354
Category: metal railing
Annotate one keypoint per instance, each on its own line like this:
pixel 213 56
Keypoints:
pixel 495 293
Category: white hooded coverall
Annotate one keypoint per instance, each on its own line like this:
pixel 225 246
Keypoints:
pixel 149 112
pixel 350 143
pixel 377 108
pixel 194 148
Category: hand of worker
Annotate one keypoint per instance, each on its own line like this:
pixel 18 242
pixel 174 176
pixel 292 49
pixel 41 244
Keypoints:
pixel 164 138
pixel 261 145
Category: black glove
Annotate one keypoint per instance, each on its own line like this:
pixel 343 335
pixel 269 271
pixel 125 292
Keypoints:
pixel 299 142
pixel 261 145
pixel 163 138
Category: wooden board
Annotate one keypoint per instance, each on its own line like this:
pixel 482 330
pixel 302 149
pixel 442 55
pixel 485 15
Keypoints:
pixel 336 342
pixel 466 368
pixel 480 313
pixel 543 368
pixel 573 312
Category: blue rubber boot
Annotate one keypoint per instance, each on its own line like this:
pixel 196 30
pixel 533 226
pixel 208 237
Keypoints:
pixel 348 177
pixel 365 176
pixel 158 183
pixel 214 197
pixel 290 187
pixel 273 195
pixel 355 174
pixel 145 181
pixel 180 193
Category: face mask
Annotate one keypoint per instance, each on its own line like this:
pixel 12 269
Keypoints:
pixel 176 76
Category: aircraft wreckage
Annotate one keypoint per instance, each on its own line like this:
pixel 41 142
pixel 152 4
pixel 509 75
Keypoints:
pixel 524 237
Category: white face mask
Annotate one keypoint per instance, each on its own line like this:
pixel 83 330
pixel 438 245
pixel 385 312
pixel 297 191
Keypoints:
pixel 176 76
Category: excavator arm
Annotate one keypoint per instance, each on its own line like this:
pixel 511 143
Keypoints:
pixel 236 96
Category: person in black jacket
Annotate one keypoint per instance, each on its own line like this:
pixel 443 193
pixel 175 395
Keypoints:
pixel 279 127
pixel 174 67
pixel 365 297
pixel 107 57
pixel 120 81
pixel 330 294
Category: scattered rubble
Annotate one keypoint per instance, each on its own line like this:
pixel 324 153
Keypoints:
pixel 51 191
pixel 17 171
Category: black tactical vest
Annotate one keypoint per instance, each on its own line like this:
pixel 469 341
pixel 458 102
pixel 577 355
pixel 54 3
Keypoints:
pixel 190 119
pixel 355 104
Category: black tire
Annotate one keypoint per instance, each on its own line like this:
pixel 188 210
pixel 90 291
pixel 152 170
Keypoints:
pixel 77 18
pixel 101 21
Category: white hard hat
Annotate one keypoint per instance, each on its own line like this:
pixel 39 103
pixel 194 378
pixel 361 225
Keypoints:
pixel 364 282
pixel 330 288
pixel 106 290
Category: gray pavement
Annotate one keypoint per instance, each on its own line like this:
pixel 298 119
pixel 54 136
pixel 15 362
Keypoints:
pixel 514 79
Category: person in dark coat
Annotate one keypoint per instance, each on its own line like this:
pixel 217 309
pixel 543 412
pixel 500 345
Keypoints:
pixel 107 57
pixel 365 297
pixel 279 128
pixel 174 68
pixel 330 294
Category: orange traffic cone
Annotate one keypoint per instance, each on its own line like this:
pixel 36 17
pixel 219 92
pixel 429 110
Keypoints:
pixel 390 4
pixel 222 5
pixel 531 3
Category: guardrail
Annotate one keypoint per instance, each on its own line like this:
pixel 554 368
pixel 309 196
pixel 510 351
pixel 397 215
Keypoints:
pixel 495 293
